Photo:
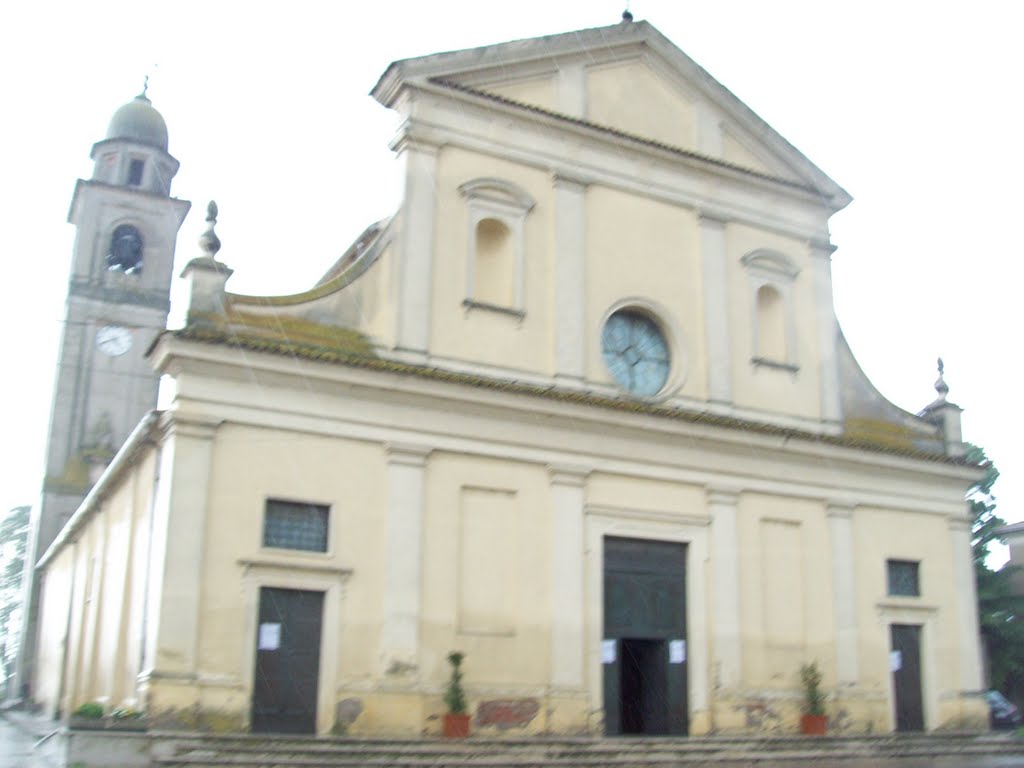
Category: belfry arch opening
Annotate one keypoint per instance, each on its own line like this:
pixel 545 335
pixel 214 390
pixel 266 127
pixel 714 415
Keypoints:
pixel 125 252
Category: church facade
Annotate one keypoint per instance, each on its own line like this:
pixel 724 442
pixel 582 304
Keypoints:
pixel 580 410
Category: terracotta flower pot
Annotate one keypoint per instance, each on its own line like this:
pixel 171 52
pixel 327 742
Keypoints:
pixel 455 726
pixel 814 725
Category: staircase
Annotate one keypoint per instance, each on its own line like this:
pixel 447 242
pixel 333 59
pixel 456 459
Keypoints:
pixel 176 750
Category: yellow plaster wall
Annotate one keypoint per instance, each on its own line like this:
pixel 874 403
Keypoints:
pixel 631 97
pixel 539 92
pixel 760 387
pixel 787 616
pixel 883 534
pixel 481 335
pixel 57 590
pixel 375 299
pixel 253 464
pixel 623 492
pixel 100 579
pixel 516 659
pixel 638 248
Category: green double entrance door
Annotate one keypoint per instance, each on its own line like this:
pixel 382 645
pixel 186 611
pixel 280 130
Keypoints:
pixel 644 653
pixel 286 677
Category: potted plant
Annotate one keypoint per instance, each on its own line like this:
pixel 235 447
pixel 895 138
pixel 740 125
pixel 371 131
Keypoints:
pixel 813 721
pixel 456 719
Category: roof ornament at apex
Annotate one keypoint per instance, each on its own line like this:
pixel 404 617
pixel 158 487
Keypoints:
pixel 140 122
pixel 940 383
pixel 209 243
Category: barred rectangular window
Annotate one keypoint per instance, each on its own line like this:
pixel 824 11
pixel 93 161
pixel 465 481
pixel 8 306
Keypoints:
pixel 903 578
pixel 294 525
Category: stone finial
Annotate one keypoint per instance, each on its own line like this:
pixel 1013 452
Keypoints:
pixel 940 384
pixel 945 415
pixel 209 243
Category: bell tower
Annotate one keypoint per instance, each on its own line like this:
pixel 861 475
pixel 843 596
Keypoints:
pixel 118 300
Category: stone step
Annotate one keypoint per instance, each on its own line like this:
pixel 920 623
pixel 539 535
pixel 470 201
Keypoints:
pixel 258 751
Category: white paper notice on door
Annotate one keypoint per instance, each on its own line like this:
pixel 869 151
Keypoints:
pixel 676 651
pixel 607 651
pixel 895 661
pixel 270 637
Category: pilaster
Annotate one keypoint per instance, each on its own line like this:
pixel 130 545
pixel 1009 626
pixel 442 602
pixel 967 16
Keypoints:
pixel 725 562
pixel 717 339
pixel 416 245
pixel 570 266
pixel 827 328
pixel 966 591
pixel 177 568
pixel 709 130
pixel 400 634
pixel 567 599
pixel 840 528
pixel 571 85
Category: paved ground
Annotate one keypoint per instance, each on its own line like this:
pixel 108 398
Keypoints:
pixel 16 747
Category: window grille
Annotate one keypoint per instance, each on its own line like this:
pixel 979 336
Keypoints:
pixel 903 578
pixel 295 525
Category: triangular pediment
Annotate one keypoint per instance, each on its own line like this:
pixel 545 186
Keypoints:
pixel 627 78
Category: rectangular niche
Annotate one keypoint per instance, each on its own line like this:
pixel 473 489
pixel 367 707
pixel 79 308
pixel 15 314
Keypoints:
pixel 488 561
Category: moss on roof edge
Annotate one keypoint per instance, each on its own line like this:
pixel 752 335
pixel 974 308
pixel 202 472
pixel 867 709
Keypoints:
pixel 234 338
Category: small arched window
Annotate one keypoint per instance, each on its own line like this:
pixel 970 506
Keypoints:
pixel 496 253
pixel 495 268
pixel 774 338
pixel 125 254
pixel 771 325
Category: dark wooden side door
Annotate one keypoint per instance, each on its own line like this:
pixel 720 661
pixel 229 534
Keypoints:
pixel 644 651
pixel 287 661
pixel 905 662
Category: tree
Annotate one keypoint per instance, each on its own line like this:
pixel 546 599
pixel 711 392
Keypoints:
pixel 1000 611
pixel 13 541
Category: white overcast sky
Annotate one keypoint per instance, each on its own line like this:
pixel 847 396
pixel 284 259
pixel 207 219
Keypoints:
pixel 912 106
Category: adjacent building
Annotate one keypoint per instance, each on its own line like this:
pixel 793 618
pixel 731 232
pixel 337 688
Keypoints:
pixel 580 409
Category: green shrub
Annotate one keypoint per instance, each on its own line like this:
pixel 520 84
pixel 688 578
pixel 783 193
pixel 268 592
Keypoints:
pixel 91 710
pixel 454 696
pixel 814 699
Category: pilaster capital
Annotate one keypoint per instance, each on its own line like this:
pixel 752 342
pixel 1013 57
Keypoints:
pixel 409 139
pixel 408 454
pixel 569 180
pixel 572 475
pixel 711 218
pixel 960 522
pixel 822 248
pixel 196 426
pixel 840 510
pixel 723 496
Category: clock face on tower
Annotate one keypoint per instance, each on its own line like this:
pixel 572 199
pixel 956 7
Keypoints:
pixel 113 340
pixel 635 352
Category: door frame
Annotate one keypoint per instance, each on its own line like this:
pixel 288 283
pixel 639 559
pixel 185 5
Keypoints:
pixel 314 577
pixel 653 525
pixel 924 616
